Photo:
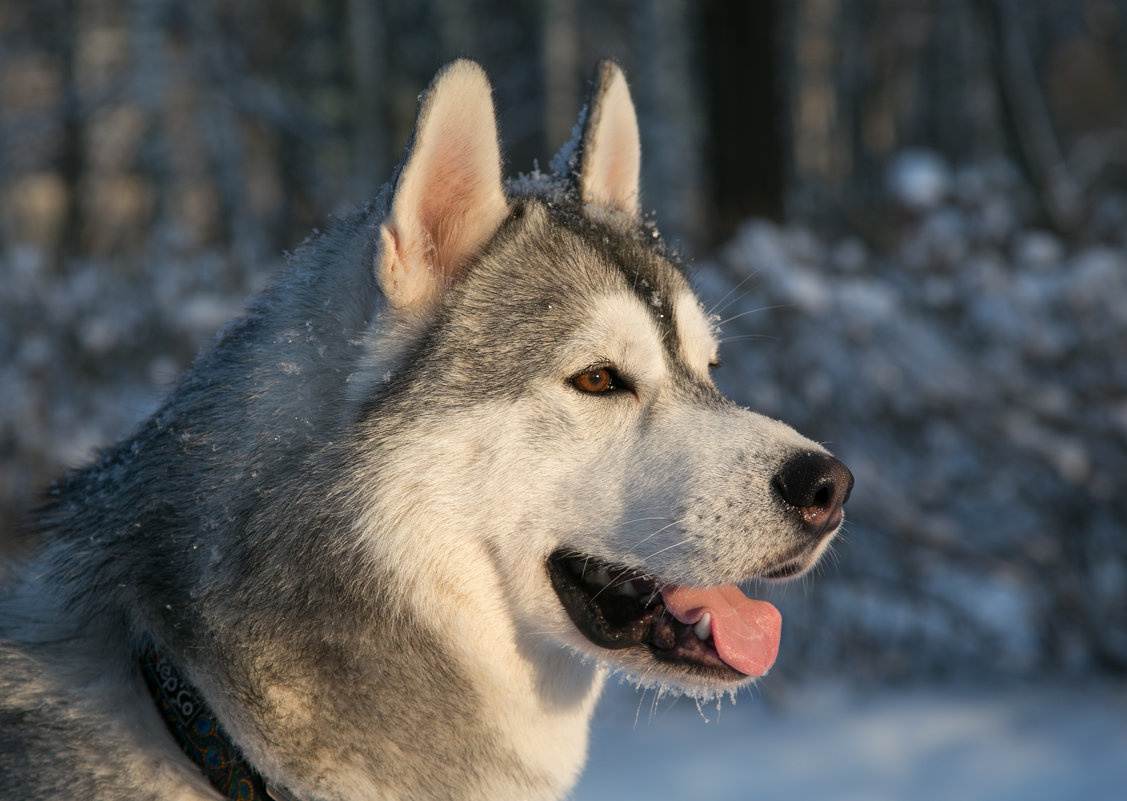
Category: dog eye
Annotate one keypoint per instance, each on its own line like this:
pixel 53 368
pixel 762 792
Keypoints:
pixel 596 380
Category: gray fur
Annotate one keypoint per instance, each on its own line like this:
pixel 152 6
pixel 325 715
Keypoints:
pixel 247 524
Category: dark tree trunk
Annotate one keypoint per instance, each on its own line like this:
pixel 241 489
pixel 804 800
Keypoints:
pixel 71 161
pixel 745 154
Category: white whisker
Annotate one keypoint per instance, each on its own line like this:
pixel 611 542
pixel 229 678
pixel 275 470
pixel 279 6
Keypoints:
pixel 738 337
pixel 653 534
pixel 668 547
pixel 751 311
pixel 720 305
pixel 641 520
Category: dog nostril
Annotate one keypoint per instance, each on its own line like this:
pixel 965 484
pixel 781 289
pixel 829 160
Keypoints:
pixel 817 485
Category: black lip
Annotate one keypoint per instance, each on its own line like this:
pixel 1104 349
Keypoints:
pixel 608 620
pixel 641 623
pixel 794 566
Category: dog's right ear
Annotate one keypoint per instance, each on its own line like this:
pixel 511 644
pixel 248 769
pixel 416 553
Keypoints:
pixel 448 199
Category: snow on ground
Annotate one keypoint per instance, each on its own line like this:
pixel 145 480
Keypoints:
pixel 827 742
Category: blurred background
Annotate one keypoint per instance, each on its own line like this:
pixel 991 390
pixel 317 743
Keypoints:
pixel 912 217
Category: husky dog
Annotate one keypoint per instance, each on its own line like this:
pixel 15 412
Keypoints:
pixel 386 539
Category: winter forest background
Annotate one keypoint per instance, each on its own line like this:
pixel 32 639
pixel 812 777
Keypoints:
pixel 913 213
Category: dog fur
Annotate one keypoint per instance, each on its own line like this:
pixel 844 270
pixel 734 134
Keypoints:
pixel 338 524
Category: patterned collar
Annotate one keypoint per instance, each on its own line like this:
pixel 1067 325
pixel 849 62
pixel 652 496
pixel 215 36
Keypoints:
pixel 195 728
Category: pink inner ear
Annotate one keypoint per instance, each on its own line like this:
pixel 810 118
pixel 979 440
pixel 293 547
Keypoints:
pixel 454 211
pixel 449 198
pixel 612 149
pixel 621 178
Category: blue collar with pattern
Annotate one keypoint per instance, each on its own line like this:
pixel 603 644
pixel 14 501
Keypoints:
pixel 199 734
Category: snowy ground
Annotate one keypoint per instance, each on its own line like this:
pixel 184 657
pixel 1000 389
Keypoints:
pixel 827 742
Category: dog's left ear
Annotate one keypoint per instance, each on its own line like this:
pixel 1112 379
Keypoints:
pixel 610 150
pixel 448 199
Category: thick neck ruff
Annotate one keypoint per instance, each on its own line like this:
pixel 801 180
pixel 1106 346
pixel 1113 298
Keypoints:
pixel 199 734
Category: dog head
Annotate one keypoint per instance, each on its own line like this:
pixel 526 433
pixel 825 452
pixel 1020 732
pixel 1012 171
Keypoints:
pixel 546 414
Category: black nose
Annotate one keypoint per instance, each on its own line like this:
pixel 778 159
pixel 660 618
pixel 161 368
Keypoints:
pixel 817 485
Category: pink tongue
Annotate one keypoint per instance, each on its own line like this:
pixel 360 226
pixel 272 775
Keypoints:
pixel 745 631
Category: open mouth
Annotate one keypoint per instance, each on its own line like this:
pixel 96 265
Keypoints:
pixel 714 632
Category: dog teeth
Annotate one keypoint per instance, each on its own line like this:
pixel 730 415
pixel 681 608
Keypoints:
pixel 627 589
pixel 602 578
pixel 703 627
pixel 599 577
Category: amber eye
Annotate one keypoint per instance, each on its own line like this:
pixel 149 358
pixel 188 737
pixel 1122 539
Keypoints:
pixel 596 380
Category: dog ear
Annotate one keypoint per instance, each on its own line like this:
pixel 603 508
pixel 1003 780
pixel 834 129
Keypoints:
pixel 610 151
pixel 448 199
